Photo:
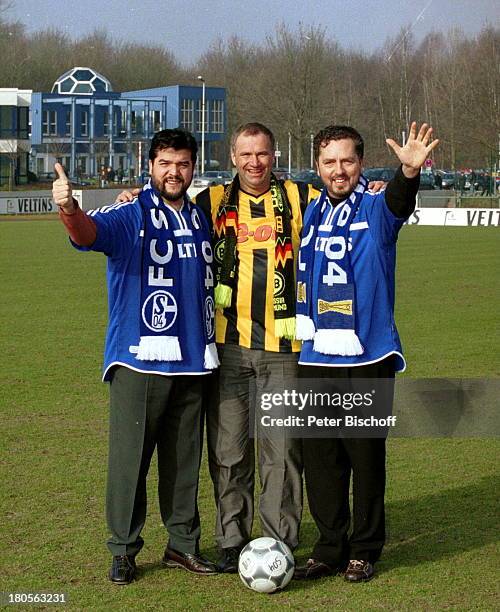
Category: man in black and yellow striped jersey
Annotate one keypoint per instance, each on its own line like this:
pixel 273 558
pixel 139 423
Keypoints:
pixel 256 224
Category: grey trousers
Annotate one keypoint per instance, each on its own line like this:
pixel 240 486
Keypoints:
pixel 148 411
pixel 232 456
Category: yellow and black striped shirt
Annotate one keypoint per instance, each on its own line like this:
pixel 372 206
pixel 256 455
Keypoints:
pixel 249 321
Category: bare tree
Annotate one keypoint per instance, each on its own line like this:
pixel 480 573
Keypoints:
pixel 290 89
pixel 12 150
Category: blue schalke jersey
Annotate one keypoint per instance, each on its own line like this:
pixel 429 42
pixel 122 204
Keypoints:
pixel 372 248
pixel 120 234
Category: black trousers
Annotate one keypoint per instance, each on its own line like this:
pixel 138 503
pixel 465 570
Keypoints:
pixel 149 411
pixel 328 464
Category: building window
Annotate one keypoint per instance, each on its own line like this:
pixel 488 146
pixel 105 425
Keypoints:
pixel 156 120
pixel 40 165
pixel 67 129
pixel 136 122
pixel 23 122
pixel 199 116
pixel 218 116
pixel 187 111
pixel 6 127
pixel 84 124
pixel 121 126
pixel 105 123
pixel 81 165
pixel 49 123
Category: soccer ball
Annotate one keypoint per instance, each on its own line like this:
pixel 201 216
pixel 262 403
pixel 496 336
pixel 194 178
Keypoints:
pixel 266 565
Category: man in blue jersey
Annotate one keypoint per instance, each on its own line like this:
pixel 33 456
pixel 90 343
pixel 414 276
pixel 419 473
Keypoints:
pixel 160 342
pixel 345 316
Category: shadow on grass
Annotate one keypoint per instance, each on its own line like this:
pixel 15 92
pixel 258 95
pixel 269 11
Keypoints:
pixel 437 526
pixel 149 569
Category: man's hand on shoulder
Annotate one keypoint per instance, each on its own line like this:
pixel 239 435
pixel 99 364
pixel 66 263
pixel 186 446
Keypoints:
pixel 127 195
pixel 376 186
pixel 62 192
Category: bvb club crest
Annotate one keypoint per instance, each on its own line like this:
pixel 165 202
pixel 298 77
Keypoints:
pixel 279 283
pixel 219 251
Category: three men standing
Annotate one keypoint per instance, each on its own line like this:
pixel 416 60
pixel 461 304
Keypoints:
pixel 161 335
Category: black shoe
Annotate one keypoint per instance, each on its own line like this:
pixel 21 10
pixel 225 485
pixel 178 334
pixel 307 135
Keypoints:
pixel 228 563
pixel 123 569
pixel 313 569
pixel 359 571
pixel 192 562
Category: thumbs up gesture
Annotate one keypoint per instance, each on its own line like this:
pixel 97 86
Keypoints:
pixel 62 192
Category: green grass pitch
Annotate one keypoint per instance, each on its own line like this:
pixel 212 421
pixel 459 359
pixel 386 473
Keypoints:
pixel 442 494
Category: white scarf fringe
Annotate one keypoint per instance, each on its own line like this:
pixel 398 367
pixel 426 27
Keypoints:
pixel 343 342
pixel 211 357
pixel 159 348
pixel 305 329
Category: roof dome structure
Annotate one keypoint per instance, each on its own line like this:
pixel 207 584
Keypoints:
pixel 81 81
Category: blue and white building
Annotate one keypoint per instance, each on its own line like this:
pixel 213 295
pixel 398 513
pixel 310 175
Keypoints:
pixel 84 124
pixel 14 135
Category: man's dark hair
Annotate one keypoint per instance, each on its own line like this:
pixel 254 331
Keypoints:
pixel 173 139
pixel 252 129
pixel 338 132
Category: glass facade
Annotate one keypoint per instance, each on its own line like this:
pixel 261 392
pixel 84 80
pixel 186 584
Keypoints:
pixel 217 116
pixel 49 123
pixel 187 114
pixel 199 119
pixel 84 125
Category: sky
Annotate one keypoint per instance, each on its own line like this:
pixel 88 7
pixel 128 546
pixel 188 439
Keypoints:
pixel 188 27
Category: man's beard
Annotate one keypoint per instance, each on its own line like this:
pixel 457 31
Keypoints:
pixel 171 195
pixel 340 193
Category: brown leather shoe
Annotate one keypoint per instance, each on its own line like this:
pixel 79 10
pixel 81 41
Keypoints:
pixel 189 561
pixel 313 569
pixel 359 571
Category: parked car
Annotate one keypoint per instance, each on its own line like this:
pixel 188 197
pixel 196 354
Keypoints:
pixel 379 174
pixel 448 180
pixel 213 177
pixel 308 176
pixel 282 173
pixel 427 181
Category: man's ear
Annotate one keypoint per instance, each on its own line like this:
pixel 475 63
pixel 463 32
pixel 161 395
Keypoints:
pixel 150 167
pixel 233 158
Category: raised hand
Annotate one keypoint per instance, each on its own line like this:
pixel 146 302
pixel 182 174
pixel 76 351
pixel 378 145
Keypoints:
pixel 416 150
pixel 62 192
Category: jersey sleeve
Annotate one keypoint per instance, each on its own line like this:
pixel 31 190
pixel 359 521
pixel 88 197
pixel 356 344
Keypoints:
pixel 118 228
pixel 389 209
pixel 383 223
pixel 204 203
pixel 307 193
pixel 401 194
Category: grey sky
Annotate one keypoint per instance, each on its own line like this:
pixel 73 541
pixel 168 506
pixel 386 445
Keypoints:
pixel 187 27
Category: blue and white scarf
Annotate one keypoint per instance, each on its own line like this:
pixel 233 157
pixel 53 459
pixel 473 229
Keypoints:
pixel 325 265
pixel 162 302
